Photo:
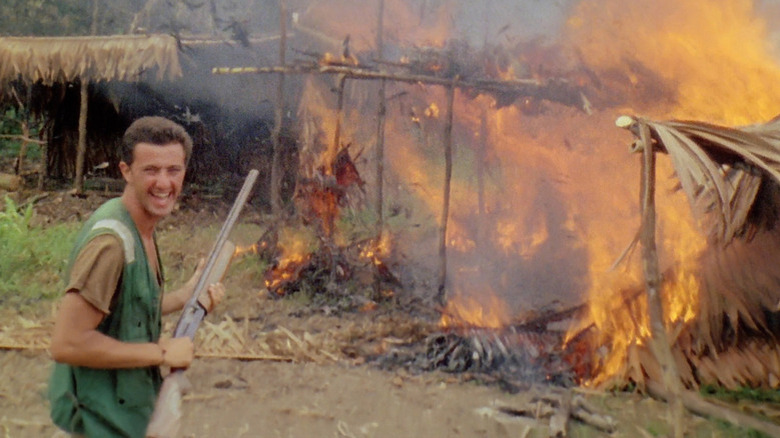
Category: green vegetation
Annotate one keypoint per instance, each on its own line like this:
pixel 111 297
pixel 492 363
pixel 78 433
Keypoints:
pixel 33 257
pixel 754 394
pixel 11 125
pixel 62 17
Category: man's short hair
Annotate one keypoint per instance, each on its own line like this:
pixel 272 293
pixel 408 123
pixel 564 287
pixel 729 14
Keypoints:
pixel 157 131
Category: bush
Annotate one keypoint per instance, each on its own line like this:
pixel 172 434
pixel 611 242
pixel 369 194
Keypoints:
pixel 33 258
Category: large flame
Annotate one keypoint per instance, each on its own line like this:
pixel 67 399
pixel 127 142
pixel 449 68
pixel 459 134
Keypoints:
pixel 719 62
pixel 543 202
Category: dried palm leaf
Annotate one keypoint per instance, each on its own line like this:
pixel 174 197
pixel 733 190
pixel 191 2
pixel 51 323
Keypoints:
pixel 720 169
pixel 100 58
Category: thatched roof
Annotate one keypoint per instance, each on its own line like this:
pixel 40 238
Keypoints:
pixel 720 168
pixel 732 178
pixel 98 58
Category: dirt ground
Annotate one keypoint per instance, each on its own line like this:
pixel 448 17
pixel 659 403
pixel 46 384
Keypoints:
pixel 306 375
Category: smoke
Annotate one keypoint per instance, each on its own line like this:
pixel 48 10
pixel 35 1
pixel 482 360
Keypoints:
pixel 494 22
pixel 555 177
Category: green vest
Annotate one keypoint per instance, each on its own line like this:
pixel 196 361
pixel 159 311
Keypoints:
pixel 114 403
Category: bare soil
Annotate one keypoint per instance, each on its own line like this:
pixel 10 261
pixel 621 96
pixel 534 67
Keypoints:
pixel 331 390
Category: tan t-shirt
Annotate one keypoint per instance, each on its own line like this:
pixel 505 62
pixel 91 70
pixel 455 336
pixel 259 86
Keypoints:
pixel 96 271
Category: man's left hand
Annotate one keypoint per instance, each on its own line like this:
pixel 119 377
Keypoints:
pixel 212 296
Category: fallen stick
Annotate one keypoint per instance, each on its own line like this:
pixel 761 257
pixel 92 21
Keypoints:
pixel 583 412
pixel 559 422
pixel 558 408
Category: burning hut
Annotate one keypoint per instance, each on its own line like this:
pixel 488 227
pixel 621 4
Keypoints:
pixel 728 334
pixel 503 148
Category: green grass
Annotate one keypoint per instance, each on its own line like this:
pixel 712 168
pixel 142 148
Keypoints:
pixel 33 257
pixel 753 394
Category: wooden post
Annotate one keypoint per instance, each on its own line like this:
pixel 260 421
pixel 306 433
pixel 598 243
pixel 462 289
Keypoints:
pixel 339 113
pixel 660 340
pixel 380 143
pixel 276 173
pixel 481 152
pixel 23 147
pixel 44 170
pixel 81 151
pixel 380 127
pixel 441 294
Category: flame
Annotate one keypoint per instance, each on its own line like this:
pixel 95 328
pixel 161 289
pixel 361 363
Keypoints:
pixel 295 249
pixel 719 63
pixel 249 249
pixel 489 311
pixel 377 249
pixel 719 58
pixel 542 206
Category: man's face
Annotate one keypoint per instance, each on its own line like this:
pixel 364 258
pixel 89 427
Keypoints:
pixel 155 178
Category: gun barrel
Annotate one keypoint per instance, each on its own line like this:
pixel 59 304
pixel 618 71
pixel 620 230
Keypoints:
pixel 193 312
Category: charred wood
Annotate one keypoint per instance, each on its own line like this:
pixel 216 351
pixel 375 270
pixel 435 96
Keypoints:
pixel 511 359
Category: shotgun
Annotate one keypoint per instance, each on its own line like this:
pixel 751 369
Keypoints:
pixel 166 417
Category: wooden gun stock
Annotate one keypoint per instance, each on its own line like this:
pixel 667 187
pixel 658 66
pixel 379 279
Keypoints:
pixel 166 418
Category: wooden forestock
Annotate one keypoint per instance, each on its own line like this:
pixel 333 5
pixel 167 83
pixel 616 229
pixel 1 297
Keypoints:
pixel 167 411
pixel 193 312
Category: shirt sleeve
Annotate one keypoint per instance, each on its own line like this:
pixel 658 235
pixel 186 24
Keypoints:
pixel 96 271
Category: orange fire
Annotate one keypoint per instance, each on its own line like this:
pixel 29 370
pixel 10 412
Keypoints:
pixel 486 311
pixel 541 205
pixel 242 250
pixel 296 249
pixel 719 62
pixel 375 250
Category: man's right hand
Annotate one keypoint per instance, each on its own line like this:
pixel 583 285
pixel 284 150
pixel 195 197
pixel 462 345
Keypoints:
pixel 178 352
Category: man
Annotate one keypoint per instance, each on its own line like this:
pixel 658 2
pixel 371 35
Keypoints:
pixel 106 339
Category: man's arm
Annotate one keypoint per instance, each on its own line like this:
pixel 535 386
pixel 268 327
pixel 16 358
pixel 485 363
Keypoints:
pixel 76 340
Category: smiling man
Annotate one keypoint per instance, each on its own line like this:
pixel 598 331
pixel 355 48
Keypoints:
pixel 106 339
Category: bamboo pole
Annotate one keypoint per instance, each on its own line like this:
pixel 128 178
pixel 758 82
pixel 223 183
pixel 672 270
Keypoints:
pixel 81 149
pixel 660 339
pixel 441 294
pixel 363 73
pixel 276 173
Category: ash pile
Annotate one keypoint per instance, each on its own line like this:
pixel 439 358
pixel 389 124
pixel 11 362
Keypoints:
pixel 515 358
